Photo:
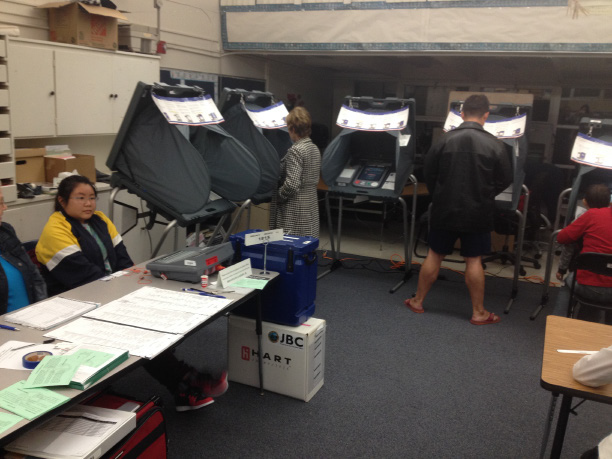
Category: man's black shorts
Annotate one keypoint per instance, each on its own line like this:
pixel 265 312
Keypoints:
pixel 472 244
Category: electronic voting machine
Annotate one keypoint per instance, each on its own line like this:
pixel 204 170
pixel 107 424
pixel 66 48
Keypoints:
pixel 190 263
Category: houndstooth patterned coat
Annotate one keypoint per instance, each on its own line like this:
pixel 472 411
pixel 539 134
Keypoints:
pixel 294 206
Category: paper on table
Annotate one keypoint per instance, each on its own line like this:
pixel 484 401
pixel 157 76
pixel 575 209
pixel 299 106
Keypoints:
pixel 49 313
pixel 13 359
pixel 160 309
pixel 29 403
pixel 53 370
pixel 8 420
pixel 138 341
pixel 249 282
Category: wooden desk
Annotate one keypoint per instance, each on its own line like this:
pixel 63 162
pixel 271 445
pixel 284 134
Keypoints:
pixel 101 292
pixel 565 333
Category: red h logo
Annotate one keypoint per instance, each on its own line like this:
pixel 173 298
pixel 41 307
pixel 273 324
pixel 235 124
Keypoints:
pixel 246 353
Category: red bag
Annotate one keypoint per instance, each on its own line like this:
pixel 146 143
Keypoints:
pixel 148 440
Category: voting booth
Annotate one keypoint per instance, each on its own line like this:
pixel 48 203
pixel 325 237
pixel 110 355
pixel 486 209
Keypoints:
pixel 592 152
pixel 373 159
pixel 374 153
pixel 172 153
pixel 256 120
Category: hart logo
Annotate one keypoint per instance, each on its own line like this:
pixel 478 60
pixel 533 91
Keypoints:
pixel 286 339
pixel 246 353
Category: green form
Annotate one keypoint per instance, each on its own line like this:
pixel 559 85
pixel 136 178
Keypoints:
pixel 53 370
pixel 29 403
pixel 249 282
pixel 8 420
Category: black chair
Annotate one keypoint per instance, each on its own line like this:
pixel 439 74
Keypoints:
pixel 53 286
pixel 598 263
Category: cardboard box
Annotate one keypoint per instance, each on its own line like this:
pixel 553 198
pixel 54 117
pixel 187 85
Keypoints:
pixel 84 165
pixel 137 38
pixel 293 357
pixel 81 24
pixel 30 165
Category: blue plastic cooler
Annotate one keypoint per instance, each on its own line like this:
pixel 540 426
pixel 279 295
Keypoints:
pixel 289 300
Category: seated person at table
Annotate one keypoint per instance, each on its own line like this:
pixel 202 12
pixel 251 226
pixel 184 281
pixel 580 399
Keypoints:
pixel 20 281
pixel 594 229
pixel 594 371
pixel 79 245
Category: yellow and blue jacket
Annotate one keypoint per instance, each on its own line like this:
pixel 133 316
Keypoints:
pixel 72 255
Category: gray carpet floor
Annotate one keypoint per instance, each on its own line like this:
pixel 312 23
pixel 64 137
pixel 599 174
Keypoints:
pixel 397 384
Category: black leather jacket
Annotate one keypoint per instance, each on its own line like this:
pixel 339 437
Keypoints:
pixel 12 251
pixel 464 172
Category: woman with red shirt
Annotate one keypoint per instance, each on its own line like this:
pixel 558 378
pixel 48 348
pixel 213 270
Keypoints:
pixel 594 228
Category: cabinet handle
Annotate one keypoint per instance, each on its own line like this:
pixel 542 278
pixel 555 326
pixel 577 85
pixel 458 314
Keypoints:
pixel 52 93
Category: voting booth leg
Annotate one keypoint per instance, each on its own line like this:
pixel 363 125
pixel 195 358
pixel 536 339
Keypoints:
pixel 549 420
pixel 170 225
pixel 246 205
pixel 519 248
pixel 407 240
pixel 330 228
pixel 547 275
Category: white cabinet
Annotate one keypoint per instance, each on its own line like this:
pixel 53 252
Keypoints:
pixel 7 158
pixel 67 90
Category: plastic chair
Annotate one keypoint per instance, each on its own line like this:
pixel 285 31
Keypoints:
pixel 598 263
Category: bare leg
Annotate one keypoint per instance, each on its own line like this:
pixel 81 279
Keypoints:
pixel 475 281
pixel 427 276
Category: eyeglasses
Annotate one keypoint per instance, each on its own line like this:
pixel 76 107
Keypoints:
pixel 82 199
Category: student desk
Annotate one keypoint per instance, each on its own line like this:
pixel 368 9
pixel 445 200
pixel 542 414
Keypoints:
pixel 101 292
pixel 565 333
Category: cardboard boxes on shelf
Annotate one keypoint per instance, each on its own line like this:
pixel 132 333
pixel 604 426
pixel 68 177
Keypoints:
pixel 30 165
pixel 83 164
pixel 293 357
pixel 78 23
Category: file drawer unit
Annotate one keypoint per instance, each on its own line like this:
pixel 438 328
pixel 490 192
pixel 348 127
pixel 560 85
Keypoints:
pixel 7 160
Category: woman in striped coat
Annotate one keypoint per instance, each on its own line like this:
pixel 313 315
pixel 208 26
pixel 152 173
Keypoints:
pixel 294 206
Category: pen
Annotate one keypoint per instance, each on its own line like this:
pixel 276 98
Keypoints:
pixel 201 292
pixel 8 327
pixel 47 341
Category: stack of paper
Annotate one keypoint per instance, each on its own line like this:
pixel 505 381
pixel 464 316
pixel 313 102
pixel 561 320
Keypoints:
pixel 81 432
pixel 49 313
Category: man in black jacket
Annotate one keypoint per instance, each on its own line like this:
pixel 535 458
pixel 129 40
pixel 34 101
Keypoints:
pixel 464 172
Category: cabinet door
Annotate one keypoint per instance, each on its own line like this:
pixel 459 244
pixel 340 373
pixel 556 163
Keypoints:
pixel 32 90
pixel 84 87
pixel 127 72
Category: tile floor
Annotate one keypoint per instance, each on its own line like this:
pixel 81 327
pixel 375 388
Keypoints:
pixel 364 235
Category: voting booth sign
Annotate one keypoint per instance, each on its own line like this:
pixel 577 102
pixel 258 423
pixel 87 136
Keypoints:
pixel 293 358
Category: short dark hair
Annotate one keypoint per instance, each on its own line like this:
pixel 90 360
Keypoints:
pixel 300 122
pixel 598 196
pixel 67 186
pixel 476 105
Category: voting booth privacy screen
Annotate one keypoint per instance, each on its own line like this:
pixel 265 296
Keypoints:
pixel 592 151
pixel 267 141
pixel 374 153
pixel 174 165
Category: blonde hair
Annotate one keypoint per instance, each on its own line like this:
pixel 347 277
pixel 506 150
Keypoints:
pixel 299 121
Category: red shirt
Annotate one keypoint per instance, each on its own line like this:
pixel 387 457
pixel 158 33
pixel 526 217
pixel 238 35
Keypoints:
pixel 595 228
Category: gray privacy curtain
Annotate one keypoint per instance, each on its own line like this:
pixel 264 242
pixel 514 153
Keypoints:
pixel 163 164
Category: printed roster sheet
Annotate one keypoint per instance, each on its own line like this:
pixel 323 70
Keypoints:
pixel 146 322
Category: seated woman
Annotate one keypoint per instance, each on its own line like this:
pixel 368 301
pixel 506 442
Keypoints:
pixel 594 228
pixel 79 245
pixel 20 281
